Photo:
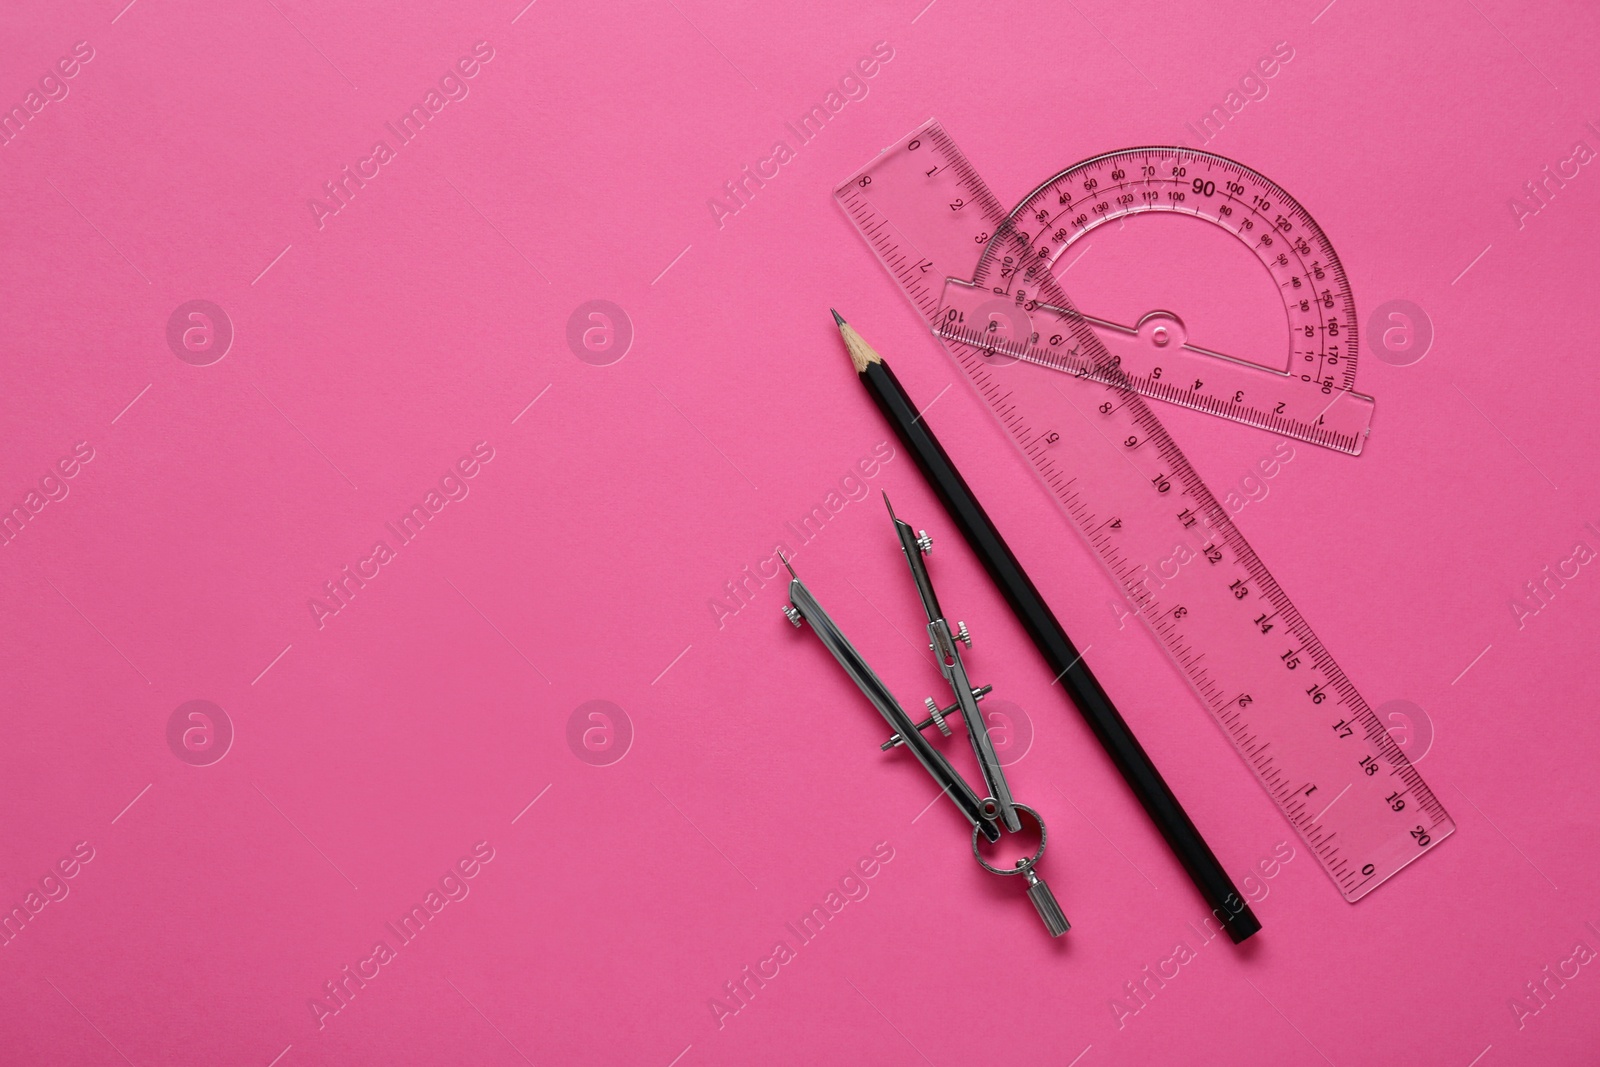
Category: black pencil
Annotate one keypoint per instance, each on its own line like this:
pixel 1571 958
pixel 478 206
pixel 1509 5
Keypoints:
pixel 1064 660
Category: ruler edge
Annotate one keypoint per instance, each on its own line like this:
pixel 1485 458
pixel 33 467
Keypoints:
pixel 1439 839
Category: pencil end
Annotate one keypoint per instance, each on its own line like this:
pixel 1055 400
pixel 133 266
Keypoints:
pixel 861 353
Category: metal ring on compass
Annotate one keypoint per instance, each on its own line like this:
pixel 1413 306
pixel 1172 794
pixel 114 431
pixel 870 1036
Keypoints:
pixel 1022 865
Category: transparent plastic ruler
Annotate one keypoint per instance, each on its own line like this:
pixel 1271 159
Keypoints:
pixel 983 278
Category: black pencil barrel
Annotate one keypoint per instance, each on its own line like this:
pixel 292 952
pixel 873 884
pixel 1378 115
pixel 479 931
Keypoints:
pixel 1064 660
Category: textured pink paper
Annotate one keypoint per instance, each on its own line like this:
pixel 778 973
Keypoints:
pixel 437 732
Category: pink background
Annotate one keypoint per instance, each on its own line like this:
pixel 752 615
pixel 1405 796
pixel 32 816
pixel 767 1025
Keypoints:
pixel 374 752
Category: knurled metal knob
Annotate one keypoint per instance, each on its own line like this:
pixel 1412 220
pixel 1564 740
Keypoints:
pixel 793 614
pixel 962 635
pixel 939 716
pixel 925 542
pixel 1044 902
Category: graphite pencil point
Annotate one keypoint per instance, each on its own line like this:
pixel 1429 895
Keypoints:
pixel 861 353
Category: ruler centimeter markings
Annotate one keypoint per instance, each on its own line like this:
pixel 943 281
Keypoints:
pixel 986 288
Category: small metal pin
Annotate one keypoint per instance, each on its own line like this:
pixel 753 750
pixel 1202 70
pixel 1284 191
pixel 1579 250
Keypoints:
pixel 943 715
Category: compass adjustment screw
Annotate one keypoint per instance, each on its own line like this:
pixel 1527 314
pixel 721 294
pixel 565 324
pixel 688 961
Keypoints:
pixel 793 614
pixel 938 717
pixel 925 542
pixel 962 635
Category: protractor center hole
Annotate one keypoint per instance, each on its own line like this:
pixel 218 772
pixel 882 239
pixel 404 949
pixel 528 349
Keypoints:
pixel 1221 294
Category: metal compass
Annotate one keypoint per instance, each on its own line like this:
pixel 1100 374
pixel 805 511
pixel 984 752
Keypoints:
pixel 991 815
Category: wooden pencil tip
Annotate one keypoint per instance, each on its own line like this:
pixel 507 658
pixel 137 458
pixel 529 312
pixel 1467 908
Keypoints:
pixel 861 353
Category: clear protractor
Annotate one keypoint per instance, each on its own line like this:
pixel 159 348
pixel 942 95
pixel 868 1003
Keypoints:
pixel 1213 286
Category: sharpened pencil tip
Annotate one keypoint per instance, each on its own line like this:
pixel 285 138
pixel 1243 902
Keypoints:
pixel 861 353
